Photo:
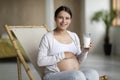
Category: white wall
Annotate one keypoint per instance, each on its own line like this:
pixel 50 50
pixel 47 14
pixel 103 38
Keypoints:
pixel 49 17
pixel 96 29
pixel 21 12
pixel 115 40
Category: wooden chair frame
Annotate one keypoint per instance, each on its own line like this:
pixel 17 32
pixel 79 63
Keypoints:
pixel 20 58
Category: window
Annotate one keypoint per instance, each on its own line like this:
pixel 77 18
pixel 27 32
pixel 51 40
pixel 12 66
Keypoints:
pixel 116 6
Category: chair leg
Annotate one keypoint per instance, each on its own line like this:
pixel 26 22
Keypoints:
pixel 19 69
pixel 104 77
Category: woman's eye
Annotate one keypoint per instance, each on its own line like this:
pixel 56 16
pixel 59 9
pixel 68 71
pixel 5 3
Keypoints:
pixel 67 18
pixel 60 17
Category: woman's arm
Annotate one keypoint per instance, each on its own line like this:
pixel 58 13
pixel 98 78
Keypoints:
pixel 82 53
pixel 82 56
pixel 44 58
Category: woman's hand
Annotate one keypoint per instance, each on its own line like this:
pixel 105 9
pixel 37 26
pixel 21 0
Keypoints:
pixel 68 63
pixel 69 55
pixel 87 49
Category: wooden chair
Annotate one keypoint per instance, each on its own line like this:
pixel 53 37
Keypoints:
pixel 29 37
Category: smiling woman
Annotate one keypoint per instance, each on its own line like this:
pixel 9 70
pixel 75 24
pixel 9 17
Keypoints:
pixel 60 52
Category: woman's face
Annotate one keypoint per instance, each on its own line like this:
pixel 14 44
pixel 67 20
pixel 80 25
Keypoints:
pixel 63 20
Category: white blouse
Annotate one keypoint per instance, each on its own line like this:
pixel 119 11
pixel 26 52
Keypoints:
pixel 49 58
pixel 63 47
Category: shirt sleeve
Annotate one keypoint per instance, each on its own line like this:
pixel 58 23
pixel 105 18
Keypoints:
pixel 44 59
pixel 81 55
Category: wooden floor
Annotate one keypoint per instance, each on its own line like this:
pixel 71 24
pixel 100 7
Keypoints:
pixel 105 65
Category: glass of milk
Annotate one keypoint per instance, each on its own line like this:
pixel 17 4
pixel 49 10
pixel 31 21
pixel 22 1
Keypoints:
pixel 87 40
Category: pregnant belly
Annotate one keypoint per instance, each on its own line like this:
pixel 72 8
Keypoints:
pixel 68 64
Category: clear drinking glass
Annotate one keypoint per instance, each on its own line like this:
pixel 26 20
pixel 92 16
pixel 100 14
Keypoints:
pixel 87 40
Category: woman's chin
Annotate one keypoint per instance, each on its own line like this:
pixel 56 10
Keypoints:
pixel 63 28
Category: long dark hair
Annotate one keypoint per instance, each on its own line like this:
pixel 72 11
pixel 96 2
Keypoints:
pixel 63 8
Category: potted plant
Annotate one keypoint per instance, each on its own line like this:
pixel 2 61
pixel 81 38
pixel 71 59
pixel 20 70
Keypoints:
pixel 107 18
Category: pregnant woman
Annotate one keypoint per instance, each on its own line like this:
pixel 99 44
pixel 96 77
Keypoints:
pixel 60 52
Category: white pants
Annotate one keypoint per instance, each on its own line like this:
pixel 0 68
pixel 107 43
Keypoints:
pixel 84 74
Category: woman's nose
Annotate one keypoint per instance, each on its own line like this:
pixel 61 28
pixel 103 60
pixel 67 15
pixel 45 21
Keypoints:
pixel 63 20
